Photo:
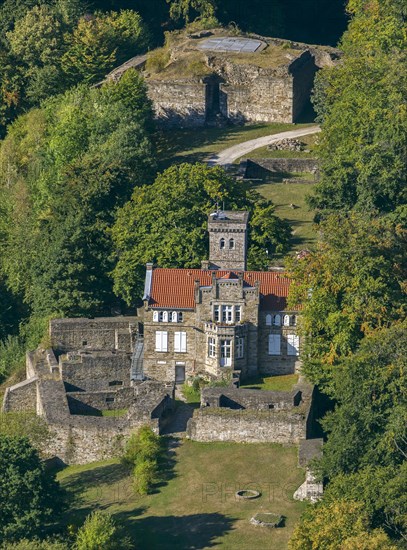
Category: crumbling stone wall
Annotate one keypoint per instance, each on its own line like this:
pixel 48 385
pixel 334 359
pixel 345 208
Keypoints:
pixel 246 426
pixel 104 333
pixel 179 103
pixel 260 168
pixel 21 397
pixel 96 371
pixel 250 399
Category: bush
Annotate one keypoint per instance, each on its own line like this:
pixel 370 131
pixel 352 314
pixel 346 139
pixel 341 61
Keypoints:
pixel 157 60
pixel 145 475
pixel 98 532
pixel 144 451
pixel 36 544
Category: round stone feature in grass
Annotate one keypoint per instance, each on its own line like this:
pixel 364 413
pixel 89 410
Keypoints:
pixel 267 519
pixel 247 494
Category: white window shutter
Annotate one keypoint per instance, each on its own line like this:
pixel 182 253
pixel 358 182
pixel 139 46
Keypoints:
pixel 183 341
pixel 165 341
pixel 158 340
pixel 177 341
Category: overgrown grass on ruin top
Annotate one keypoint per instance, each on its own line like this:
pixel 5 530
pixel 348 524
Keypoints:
pixel 271 383
pixel 196 506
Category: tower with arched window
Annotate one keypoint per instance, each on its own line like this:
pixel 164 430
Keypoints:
pixel 228 240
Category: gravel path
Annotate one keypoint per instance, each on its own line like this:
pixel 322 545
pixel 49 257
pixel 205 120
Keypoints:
pixel 228 156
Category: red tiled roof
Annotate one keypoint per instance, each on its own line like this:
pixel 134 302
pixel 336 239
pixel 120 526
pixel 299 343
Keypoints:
pixel 174 288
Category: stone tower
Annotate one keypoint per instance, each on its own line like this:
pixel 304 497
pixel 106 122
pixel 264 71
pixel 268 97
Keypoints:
pixel 228 240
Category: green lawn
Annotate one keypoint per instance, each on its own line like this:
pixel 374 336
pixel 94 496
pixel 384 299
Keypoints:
pixel 196 145
pixel 300 217
pixel 196 507
pixel 271 383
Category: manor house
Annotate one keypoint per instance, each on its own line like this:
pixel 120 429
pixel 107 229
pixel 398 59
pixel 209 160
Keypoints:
pixel 221 318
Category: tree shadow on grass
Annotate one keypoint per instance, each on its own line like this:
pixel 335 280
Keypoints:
pixel 191 532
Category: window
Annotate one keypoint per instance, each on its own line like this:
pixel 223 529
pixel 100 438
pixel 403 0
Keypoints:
pixel 239 347
pixel 180 342
pixel 293 320
pixel 180 317
pixel 222 244
pixel 174 316
pixel 216 316
pixel 225 353
pixel 269 319
pixel 109 399
pixel 155 316
pixel 116 383
pixel 211 347
pixel 274 344
pixel 165 316
pixel 238 314
pixel 227 314
pixel 286 320
pixel 231 244
pixel 160 316
pixel 161 340
pixel 277 320
pixel 293 344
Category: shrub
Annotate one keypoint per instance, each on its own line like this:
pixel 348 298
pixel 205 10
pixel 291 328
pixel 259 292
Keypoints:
pixel 157 60
pixel 145 475
pixel 99 531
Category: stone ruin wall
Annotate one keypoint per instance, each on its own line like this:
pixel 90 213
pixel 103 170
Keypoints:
pixel 102 333
pixel 178 103
pixel 259 168
pixel 246 426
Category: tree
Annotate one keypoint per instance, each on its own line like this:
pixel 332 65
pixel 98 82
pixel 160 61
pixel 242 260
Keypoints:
pixel 341 524
pixel 351 285
pixel 188 10
pixel 64 170
pixel 166 223
pixel 100 42
pixel 361 103
pixel 29 495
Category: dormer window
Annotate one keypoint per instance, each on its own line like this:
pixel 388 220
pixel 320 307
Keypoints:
pixel 174 316
pixel 222 244
pixel 269 319
pixel 231 244
pixel 165 316
pixel 286 320
pixel 277 320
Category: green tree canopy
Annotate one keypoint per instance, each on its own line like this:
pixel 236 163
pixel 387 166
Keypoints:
pixel 361 103
pixel 166 223
pixel 29 495
pixel 351 285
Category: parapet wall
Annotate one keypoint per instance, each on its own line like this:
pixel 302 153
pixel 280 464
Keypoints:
pixel 261 168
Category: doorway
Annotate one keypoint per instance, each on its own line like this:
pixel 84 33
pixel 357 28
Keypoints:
pixel 179 374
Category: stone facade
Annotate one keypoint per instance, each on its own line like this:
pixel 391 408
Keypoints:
pixel 228 319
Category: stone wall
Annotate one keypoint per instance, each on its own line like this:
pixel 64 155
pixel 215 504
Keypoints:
pixel 96 371
pixel 21 397
pixel 263 168
pixel 249 399
pixel 103 333
pixel 246 426
pixel 179 103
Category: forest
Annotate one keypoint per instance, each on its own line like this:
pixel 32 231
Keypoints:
pixel 84 205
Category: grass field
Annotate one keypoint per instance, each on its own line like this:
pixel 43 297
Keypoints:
pixel 264 153
pixel 196 507
pixel 271 383
pixel 196 145
pixel 300 217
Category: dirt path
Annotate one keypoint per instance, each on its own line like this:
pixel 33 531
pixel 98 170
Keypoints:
pixel 228 156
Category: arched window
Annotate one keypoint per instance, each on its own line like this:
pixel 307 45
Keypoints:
pixel 293 320
pixel 180 317
pixel 165 316
pixel 286 320
pixel 268 319
pixel 277 320
pixel 174 316
pixel 231 244
pixel 222 244
pixel 155 316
